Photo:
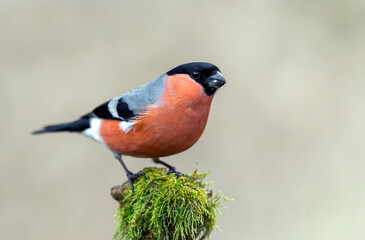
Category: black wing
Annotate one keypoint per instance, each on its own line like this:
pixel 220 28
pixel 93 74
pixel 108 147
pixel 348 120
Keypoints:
pixel 115 109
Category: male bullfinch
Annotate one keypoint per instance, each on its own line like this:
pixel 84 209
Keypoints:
pixel 158 119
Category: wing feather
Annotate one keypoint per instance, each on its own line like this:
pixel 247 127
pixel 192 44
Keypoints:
pixel 130 105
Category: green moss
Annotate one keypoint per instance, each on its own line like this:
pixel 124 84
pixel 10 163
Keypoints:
pixel 164 207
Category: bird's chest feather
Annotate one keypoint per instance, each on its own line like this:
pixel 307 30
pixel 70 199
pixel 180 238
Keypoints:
pixel 184 106
pixel 179 121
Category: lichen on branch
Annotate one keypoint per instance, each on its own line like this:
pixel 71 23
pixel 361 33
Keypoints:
pixel 164 207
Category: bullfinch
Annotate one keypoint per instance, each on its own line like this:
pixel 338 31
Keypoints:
pixel 158 119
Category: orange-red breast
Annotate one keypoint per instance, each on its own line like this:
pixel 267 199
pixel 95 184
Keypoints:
pixel 158 119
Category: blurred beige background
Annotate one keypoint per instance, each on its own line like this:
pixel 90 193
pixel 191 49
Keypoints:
pixel 285 136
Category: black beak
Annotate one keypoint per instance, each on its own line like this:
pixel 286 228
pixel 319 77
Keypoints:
pixel 216 81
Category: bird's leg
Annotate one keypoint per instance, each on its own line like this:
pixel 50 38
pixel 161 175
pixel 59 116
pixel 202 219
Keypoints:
pixel 131 176
pixel 171 168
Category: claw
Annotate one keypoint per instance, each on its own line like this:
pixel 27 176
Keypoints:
pixel 173 170
pixel 134 176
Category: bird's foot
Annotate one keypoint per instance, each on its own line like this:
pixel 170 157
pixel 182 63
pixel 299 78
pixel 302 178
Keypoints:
pixel 173 170
pixel 134 176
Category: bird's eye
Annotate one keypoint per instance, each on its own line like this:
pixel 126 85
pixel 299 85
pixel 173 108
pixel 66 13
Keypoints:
pixel 195 75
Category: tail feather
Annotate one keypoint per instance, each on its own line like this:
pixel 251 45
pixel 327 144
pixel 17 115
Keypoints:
pixel 75 126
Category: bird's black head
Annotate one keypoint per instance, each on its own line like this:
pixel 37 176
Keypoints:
pixel 206 74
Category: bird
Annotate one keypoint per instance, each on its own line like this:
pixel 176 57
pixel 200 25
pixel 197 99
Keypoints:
pixel 158 119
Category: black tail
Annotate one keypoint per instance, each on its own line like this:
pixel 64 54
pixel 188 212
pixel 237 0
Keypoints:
pixel 76 126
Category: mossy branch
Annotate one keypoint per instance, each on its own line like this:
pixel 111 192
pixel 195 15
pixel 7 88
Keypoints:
pixel 164 207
